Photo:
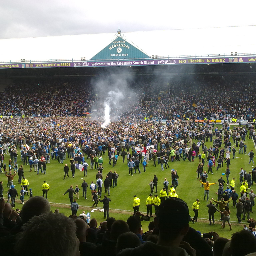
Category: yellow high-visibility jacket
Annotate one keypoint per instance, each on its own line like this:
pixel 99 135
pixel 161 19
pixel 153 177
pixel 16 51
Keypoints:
pixel 195 205
pixel 173 194
pixel 24 182
pixel 149 200
pixel 157 201
pixel 163 193
pixel 45 186
pixel 136 201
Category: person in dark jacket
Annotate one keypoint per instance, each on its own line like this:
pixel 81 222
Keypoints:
pixel 84 186
pixel 66 170
pixel 105 202
pixel 239 210
pixel 136 165
pixel 221 181
pixel 220 192
pixel 95 198
pixel 20 174
pixel 247 208
pixel 74 207
pixel 71 193
pixel 211 211
pixel 115 177
pixel 73 169
pixel 234 197
pixel 1 188
pixel 107 185
pixel 110 177
pixel 13 194
pixel 155 181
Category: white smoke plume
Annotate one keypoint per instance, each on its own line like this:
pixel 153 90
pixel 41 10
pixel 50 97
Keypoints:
pixel 115 96
pixel 106 115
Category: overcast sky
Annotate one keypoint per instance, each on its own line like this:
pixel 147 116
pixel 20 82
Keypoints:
pixel 31 18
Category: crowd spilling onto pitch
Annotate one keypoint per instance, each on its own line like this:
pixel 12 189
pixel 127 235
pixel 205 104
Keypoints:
pixel 51 122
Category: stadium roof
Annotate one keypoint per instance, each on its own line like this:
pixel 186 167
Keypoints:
pixel 120 49
pixel 168 43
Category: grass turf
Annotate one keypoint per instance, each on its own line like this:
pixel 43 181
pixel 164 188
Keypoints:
pixel 189 188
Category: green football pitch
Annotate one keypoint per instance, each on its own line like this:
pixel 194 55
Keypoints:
pixel 189 188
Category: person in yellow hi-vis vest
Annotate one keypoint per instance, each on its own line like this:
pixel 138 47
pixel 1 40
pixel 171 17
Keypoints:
pixel 149 204
pixel 24 183
pixel 173 193
pixel 195 208
pixel 232 184
pixel 243 189
pixel 136 204
pixel 45 189
pixel 163 194
pixel 172 189
pixel 156 202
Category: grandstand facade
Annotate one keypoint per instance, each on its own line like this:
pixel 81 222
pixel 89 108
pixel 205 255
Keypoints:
pixel 120 53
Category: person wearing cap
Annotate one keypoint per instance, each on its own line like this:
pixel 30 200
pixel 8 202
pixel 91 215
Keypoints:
pixel 136 204
pixel 149 203
pixel 195 208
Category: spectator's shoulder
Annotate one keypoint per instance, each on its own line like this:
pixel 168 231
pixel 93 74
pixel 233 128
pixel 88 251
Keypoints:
pixel 152 249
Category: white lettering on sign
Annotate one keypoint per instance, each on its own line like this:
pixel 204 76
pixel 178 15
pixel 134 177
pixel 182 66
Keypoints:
pixel 118 54
pixel 121 44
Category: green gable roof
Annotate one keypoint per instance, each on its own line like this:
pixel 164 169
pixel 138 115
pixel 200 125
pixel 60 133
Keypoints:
pixel 120 49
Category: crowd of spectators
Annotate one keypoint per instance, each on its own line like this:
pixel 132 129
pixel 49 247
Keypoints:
pixel 45 99
pixel 35 230
pixel 48 119
pixel 210 98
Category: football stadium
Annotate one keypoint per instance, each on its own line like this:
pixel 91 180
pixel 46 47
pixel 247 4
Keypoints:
pixel 116 134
